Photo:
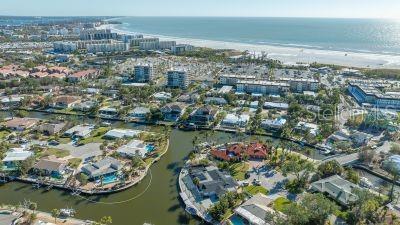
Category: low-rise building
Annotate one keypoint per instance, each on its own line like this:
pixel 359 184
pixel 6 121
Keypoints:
pixel 50 166
pixel 262 87
pixel 371 96
pixel 275 124
pixel 234 120
pixel 203 116
pixel 50 128
pixel 65 101
pixel 108 113
pixel 13 157
pixel 139 113
pixel 173 111
pixel 134 148
pixel 79 131
pixel 21 124
pixel 102 169
pixel 121 133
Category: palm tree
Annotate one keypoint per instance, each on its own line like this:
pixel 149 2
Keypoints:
pixel 55 213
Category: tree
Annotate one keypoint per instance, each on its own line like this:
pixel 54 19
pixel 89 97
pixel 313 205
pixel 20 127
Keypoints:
pixel 329 168
pixel 55 213
pixel 33 206
pixel 319 208
pixel 367 209
pixel 301 169
pixel 395 149
pixel 105 220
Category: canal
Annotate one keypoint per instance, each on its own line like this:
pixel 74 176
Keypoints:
pixel 157 203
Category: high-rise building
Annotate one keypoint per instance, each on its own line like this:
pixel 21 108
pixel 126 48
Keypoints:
pixel 177 78
pixel 143 73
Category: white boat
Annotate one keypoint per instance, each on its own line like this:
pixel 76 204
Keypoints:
pixel 67 212
pixel 364 182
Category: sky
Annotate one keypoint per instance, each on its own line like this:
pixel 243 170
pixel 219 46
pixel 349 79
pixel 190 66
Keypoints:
pixel 223 8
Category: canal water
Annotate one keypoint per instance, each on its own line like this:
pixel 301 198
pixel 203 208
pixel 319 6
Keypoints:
pixel 159 204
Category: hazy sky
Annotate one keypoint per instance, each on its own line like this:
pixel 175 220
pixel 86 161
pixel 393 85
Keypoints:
pixel 247 8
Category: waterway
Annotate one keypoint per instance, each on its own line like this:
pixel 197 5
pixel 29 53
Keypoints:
pixel 159 205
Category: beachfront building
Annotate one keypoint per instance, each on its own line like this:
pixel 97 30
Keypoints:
pixel 114 46
pixel 167 45
pixel 370 95
pixel 262 87
pixel 98 34
pixel 143 73
pixel 233 79
pixel 135 42
pixel 103 170
pixel 177 78
pixel 13 157
pixel 301 84
pixel 182 48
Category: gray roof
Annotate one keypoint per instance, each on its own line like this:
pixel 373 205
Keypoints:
pixel 102 167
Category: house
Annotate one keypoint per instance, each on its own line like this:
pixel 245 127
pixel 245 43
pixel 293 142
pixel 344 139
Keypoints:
pixel 65 101
pixel 106 167
pixel 233 120
pixel 237 152
pixel 13 157
pixel 50 166
pixel 79 131
pixel 211 182
pixel 108 113
pixel 203 115
pixel 162 96
pixel 21 124
pixel 215 101
pixel 256 209
pixel 275 124
pixel 307 127
pixel 51 128
pixel 85 106
pixel 276 105
pixel 11 101
pixel 337 188
pixel 122 133
pixel 83 75
pixel 257 151
pixel 139 113
pixel 173 111
pixel 134 148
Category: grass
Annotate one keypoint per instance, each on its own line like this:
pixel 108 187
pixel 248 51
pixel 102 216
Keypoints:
pixel 239 170
pixel 281 203
pixel 74 162
pixel 253 190
pixel 97 136
pixel 56 152
pixel 4 134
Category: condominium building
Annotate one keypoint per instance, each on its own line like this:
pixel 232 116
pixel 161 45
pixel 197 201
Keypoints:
pixel 182 48
pixel 143 73
pixel 150 45
pixel 108 47
pixel 167 45
pixel 84 44
pixel 301 84
pixel 262 87
pixel 136 41
pixel 98 35
pixel 370 95
pixel 177 78
pixel 65 47
pixel 233 79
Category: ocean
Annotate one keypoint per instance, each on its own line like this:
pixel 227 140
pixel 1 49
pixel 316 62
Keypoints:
pixel 346 35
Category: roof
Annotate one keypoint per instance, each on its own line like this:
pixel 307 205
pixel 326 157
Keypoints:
pixel 338 188
pixel 134 147
pixel 104 166
pixel 122 133
pixel 21 122
pixel 17 155
pixel 50 164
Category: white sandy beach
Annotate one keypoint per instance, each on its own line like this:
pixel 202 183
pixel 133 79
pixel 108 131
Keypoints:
pixel 291 54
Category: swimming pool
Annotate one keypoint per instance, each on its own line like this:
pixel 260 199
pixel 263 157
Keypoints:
pixel 150 148
pixel 109 179
pixel 236 220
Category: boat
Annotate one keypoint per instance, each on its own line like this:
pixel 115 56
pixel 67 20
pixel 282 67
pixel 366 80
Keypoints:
pixel 36 185
pixel 364 182
pixel 67 212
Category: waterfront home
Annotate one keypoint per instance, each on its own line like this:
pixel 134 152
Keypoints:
pixel 162 96
pixel 122 133
pixel 79 131
pixel 65 101
pixel 108 113
pixel 50 166
pixel 238 152
pixel 134 148
pixel 275 124
pixel 188 98
pixel 21 124
pixel 11 101
pixel 104 168
pixel 203 115
pixel 138 113
pixel 173 111
pixel 210 182
pixel 255 210
pixel 337 188
pixel 13 157
pixel 50 128
pixel 215 101
pixel 233 120
pixel 307 127
pixel 254 104
pixel 85 106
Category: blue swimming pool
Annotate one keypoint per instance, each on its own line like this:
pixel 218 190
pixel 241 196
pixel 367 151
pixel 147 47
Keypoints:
pixel 150 148
pixel 236 220
pixel 109 179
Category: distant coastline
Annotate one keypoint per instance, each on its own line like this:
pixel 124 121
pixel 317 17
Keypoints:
pixel 288 54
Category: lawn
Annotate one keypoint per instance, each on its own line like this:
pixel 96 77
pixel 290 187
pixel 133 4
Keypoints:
pixel 238 170
pixel 253 190
pixel 74 163
pixel 56 152
pixel 97 136
pixel 4 134
pixel 281 203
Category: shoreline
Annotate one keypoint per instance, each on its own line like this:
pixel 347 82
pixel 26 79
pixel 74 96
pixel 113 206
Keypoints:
pixel 289 55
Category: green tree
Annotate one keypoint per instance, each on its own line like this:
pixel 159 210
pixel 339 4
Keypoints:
pixel 329 168
pixel 55 213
